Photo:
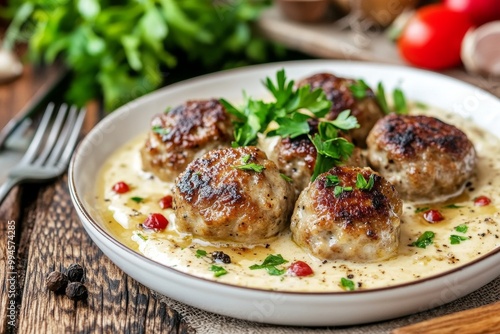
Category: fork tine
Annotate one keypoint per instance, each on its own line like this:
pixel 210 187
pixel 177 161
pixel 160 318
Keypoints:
pixel 53 135
pixel 37 138
pixel 73 139
pixel 61 142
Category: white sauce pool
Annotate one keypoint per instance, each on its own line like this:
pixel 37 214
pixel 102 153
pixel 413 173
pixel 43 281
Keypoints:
pixel 123 216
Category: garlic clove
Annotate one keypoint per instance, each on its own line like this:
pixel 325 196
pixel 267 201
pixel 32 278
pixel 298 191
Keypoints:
pixel 10 66
pixel 481 49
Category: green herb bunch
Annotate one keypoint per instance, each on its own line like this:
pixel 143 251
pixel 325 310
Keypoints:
pixel 288 115
pixel 119 49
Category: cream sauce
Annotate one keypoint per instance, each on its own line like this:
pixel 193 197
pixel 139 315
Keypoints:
pixel 180 251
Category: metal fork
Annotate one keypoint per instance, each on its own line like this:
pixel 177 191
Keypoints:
pixel 50 150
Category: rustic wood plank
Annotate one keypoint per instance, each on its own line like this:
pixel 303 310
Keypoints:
pixel 483 319
pixel 116 302
pixel 9 212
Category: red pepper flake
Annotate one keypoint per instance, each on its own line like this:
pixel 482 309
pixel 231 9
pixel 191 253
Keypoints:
pixel 121 187
pixel 300 268
pixel 482 201
pixel 156 222
pixel 433 216
pixel 166 202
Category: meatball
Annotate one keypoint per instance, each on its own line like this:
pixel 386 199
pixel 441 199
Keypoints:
pixel 234 195
pixel 337 90
pixel 361 225
pixel 296 158
pixel 426 159
pixel 184 133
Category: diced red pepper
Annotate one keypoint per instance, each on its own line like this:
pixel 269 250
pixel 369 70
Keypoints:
pixel 300 268
pixel 121 187
pixel 156 221
pixel 482 201
pixel 166 202
pixel 433 216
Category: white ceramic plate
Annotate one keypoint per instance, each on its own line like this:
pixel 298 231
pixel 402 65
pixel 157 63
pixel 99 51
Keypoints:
pixel 287 308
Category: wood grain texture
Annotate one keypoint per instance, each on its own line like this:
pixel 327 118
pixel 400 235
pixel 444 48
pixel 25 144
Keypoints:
pixel 116 303
pixel 485 319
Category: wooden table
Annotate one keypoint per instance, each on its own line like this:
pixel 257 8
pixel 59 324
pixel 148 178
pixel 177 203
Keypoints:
pixel 48 236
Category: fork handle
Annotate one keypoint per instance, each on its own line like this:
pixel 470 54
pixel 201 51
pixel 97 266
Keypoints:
pixel 6 187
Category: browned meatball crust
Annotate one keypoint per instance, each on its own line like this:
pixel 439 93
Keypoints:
pixel 366 110
pixel 296 158
pixel 184 133
pixel 358 225
pixel 426 159
pixel 216 200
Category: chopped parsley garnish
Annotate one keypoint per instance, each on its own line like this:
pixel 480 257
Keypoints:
pixel 462 228
pixel 200 253
pixel 286 177
pixel 362 184
pixel 422 209
pixel 347 284
pixel 424 240
pixel 249 166
pixel 137 199
pixel 359 89
pixel 218 270
pixel 270 264
pixel 252 166
pixel 332 180
pixel 143 237
pixel 160 130
pixel 338 190
pixel 456 239
pixel 452 206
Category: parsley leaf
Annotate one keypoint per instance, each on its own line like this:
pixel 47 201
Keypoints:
pixel 362 184
pixel 400 102
pixel 359 89
pixel 218 270
pixel 137 199
pixel 452 206
pixel 286 177
pixel 424 240
pixel 456 239
pixel 421 209
pixel 461 228
pixel 332 180
pixel 200 253
pixel 270 263
pixel 160 130
pixel 380 96
pixel 338 190
pixel 252 166
pixel 347 284
pixel 345 121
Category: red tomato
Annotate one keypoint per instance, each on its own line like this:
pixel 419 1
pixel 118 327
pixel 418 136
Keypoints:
pixel 121 187
pixel 433 216
pixel 482 201
pixel 480 11
pixel 156 221
pixel 300 268
pixel 165 202
pixel 433 37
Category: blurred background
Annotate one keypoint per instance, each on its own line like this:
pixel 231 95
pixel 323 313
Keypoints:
pixel 113 51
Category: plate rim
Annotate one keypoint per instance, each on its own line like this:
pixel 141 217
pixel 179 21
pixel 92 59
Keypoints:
pixel 79 203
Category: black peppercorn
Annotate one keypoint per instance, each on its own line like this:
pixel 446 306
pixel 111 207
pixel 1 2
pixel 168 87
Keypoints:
pixel 76 291
pixel 56 281
pixel 221 257
pixel 75 273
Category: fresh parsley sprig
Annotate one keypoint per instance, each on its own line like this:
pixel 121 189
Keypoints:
pixel 362 184
pixel 270 263
pixel 286 111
